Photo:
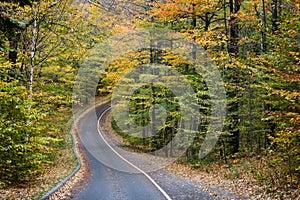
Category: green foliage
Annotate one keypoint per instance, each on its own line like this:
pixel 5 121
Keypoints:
pixel 23 151
pixel 38 65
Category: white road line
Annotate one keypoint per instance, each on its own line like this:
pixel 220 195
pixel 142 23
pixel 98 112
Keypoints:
pixel 154 183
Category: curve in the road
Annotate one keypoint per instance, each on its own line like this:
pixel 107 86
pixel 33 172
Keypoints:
pixel 105 182
pixel 144 173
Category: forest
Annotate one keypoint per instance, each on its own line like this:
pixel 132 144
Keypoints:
pixel 253 43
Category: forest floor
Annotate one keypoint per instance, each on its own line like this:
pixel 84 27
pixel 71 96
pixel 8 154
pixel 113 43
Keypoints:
pixel 216 177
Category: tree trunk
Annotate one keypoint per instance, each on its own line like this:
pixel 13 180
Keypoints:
pixel 225 18
pixel 264 28
pixel 33 50
pixel 274 16
pixel 234 6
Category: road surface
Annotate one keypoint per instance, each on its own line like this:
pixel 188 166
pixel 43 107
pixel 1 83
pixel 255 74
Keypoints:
pixel 110 184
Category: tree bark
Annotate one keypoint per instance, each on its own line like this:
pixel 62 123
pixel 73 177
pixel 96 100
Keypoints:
pixel 274 16
pixel 264 28
pixel 234 6
pixel 33 50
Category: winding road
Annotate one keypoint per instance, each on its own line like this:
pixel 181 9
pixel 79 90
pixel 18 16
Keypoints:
pixel 107 183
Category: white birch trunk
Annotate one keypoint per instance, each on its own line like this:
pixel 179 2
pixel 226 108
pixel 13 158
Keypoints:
pixel 33 50
pixel 32 62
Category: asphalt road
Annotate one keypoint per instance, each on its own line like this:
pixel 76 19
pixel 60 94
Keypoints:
pixel 107 183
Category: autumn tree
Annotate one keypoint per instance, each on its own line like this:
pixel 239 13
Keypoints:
pixel 42 46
